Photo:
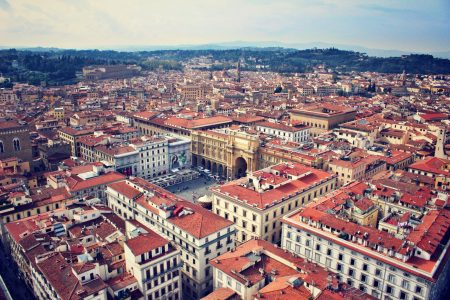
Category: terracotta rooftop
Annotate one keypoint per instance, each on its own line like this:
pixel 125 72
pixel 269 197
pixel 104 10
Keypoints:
pixel 59 274
pixel 287 187
pixel 74 183
pixel 200 223
pixel 222 294
pixel 145 242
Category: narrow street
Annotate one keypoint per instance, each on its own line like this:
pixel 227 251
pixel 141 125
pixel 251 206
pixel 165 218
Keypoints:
pixel 17 288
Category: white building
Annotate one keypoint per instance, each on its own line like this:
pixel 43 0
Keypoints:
pixel 200 234
pixel 374 261
pixel 298 134
pixel 179 153
pixel 153 157
pixel 154 262
pixel 124 159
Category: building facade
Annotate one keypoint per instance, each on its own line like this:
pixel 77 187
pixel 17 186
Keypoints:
pixel 369 259
pixel 200 234
pixel 256 204
pixel 154 262
pixel 15 140
pixel 323 117
pixel 297 134
pixel 230 153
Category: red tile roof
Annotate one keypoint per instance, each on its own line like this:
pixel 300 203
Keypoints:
pixel 145 242
pixel 59 274
pixel 311 176
pixel 221 294
pixel 200 223
pixel 75 183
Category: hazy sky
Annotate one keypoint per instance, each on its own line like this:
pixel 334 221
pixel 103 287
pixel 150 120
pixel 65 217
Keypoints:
pixel 411 25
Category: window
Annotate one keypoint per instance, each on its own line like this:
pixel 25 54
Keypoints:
pixel 339 267
pixel 352 262
pixel 376 283
pixel 2 147
pixel 351 272
pixel 389 289
pixel 403 295
pixel 317 257
pixel 418 290
pixel 340 257
pixel 365 267
pixel 405 284
pixel 228 281
pixel 238 287
pixel 391 278
pixel 16 144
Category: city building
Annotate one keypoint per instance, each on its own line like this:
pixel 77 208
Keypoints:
pixel 152 157
pixel 192 92
pixel 230 152
pixel 71 136
pixel 110 71
pixel 151 123
pixel 435 168
pixel 259 270
pixel 154 262
pixel 277 151
pixel 256 203
pixel 322 117
pixel 297 134
pixel 375 261
pixel 200 234
pixel 15 140
pixel 356 167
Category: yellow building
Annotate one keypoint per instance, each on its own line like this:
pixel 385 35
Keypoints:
pixel 356 168
pixel 71 136
pixel 255 204
pixel 276 152
pixel 323 117
pixel 226 152
pixel 192 92
pixel 58 113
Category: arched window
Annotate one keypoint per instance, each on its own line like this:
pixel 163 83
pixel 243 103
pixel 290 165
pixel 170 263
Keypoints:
pixel 16 144
pixel 2 148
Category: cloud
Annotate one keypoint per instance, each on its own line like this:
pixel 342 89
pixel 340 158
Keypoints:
pixel 107 23
pixel 4 5
pixel 387 9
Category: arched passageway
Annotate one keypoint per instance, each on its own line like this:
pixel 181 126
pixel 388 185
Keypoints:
pixel 241 167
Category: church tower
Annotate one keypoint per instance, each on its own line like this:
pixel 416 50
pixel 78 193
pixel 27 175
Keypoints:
pixel 238 79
